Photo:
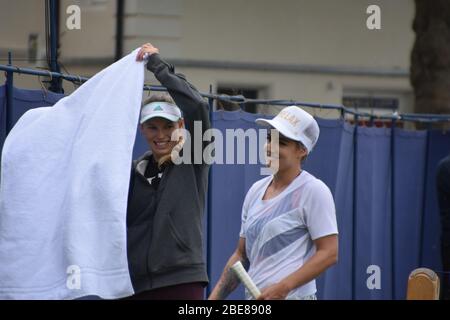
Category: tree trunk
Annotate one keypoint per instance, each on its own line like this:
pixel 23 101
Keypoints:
pixel 430 58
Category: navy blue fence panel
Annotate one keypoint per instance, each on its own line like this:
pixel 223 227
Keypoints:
pixel 373 216
pixel 323 160
pixel 231 183
pixel 25 100
pixel 323 163
pixel 336 283
pixel 439 147
pixel 410 153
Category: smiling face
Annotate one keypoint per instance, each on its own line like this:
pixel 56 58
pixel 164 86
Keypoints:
pixel 290 152
pixel 158 133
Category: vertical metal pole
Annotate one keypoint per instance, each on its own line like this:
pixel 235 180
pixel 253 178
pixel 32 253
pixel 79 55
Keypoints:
pixel 424 195
pixel 354 205
pixel 56 85
pixel 119 29
pixel 9 96
pixel 209 206
pixel 393 264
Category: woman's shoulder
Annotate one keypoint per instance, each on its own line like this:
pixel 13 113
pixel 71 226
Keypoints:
pixel 145 156
pixel 313 183
pixel 260 183
pixel 256 189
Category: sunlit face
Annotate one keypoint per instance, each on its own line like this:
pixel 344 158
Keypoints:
pixel 290 152
pixel 158 133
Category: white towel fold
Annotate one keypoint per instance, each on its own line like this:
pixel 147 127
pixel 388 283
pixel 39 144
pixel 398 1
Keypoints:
pixel 64 188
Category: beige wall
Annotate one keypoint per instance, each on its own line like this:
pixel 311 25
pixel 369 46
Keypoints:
pixel 291 33
pixel 17 20
pixel 96 38
pixel 321 32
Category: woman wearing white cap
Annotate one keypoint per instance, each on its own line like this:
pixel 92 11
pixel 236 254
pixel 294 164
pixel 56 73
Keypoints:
pixel 166 201
pixel 289 232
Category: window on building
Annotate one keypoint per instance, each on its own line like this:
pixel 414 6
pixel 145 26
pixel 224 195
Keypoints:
pixel 371 103
pixel 249 93
pixel 377 103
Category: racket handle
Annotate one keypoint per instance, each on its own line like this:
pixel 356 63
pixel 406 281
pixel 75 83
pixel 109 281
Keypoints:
pixel 240 272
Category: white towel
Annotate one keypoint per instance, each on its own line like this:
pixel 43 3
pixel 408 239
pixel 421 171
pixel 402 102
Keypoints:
pixel 64 189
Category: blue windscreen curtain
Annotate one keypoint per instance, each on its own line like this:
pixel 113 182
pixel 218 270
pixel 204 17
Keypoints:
pixel 408 198
pixel 372 219
pixel 332 162
pixel 230 183
pixel 385 195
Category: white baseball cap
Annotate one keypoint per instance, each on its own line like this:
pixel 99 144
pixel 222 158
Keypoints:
pixel 160 109
pixel 295 124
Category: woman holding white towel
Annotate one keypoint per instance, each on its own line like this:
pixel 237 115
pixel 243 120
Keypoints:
pixel 166 200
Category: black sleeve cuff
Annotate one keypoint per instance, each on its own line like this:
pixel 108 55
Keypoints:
pixel 155 63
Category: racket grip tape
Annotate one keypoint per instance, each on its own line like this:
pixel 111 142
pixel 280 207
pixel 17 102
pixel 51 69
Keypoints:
pixel 240 272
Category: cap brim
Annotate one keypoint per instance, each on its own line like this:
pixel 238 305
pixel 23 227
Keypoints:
pixel 160 115
pixel 276 125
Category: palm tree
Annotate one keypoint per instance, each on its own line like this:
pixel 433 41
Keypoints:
pixel 430 58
